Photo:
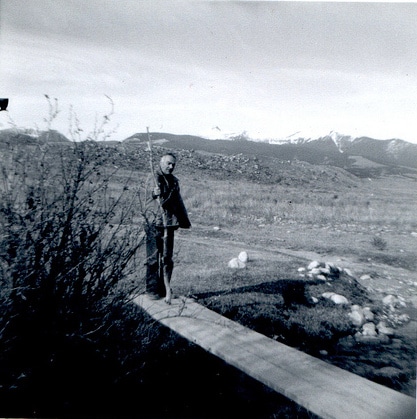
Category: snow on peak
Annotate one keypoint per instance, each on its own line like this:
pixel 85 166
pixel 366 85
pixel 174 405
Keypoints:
pixel 340 139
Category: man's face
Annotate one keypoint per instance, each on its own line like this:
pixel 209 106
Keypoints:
pixel 167 164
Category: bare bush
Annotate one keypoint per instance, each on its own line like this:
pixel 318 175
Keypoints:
pixel 379 243
pixel 67 246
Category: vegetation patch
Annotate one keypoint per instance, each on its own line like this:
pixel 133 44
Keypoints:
pixel 294 312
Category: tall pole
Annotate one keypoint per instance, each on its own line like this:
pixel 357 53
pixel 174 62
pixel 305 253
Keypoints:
pixel 168 293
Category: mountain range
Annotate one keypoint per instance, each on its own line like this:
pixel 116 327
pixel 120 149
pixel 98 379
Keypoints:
pixel 362 156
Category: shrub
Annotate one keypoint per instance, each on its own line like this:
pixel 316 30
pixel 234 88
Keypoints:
pixel 67 247
pixel 379 243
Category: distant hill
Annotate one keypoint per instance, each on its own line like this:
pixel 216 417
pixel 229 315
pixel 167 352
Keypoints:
pixel 294 160
pixel 29 136
pixel 391 156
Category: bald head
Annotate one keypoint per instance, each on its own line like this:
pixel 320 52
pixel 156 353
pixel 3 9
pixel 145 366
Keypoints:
pixel 167 164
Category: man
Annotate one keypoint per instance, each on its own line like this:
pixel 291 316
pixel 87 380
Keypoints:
pixel 169 214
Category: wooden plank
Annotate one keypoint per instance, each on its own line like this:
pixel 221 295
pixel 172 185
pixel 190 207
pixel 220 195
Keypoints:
pixel 321 388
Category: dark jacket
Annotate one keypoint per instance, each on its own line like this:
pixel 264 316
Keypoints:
pixel 171 202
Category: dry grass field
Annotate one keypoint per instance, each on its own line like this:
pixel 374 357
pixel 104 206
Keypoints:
pixel 367 225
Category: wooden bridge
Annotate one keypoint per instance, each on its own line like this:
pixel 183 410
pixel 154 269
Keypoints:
pixel 319 387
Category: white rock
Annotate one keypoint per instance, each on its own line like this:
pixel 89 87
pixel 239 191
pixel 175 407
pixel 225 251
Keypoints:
pixel 314 264
pixel 383 329
pixel 357 318
pixel 216 228
pixel 356 307
pixel 321 277
pixel 348 272
pixel 369 316
pixel 304 269
pixel 339 299
pixel 315 300
pixel 365 277
pixel 235 263
pixel 336 298
pixel 332 267
pixel 243 257
pixel 315 271
pixel 325 271
pixel 368 329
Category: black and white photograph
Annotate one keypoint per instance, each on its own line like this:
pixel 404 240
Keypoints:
pixel 208 209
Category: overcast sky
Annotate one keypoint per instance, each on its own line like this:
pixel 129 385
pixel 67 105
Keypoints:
pixel 185 67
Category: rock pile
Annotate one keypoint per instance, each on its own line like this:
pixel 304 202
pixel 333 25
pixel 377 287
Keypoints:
pixel 322 271
pixel 370 327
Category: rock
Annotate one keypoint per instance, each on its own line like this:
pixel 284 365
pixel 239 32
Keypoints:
pixel 315 271
pixel 243 257
pixel 348 272
pixel 321 277
pixel 324 271
pixel 314 300
pixel 369 316
pixel 235 263
pixel 216 228
pixel 384 329
pixel 314 264
pixel 334 270
pixel 357 318
pixel 368 329
pixel 301 269
pixel 339 299
pixel 323 352
pixel 365 277
pixel 336 298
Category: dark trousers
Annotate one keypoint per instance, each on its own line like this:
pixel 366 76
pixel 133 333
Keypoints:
pixel 157 257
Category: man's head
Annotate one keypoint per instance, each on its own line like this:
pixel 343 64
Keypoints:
pixel 167 163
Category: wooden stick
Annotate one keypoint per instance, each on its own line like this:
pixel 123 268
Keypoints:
pixel 168 293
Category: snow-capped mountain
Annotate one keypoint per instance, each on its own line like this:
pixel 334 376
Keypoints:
pixel 388 152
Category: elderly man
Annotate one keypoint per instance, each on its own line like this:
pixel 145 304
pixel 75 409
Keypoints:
pixel 169 214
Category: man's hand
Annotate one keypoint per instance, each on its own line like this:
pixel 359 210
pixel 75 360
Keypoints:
pixel 156 192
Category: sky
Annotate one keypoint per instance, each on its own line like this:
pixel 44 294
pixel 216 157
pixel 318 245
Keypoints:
pixel 211 68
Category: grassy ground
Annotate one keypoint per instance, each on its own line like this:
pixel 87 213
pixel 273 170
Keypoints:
pixel 367 229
